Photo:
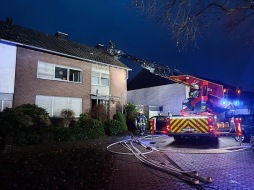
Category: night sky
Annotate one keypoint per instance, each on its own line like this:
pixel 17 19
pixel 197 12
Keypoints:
pixel 221 56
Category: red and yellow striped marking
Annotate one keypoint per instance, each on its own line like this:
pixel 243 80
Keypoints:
pixel 195 125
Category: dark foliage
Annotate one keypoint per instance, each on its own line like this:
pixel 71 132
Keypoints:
pixel 80 166
pixel 86 128
pixel 25 123
pixel 113 127
pixel 99 112
pixel 121 117
pixel 68 117
pixel 130 112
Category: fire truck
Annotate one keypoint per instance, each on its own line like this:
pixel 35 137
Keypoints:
pixel 198 115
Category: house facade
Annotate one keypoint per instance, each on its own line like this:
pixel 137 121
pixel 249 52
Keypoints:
pixel 56 73
pixel 166 98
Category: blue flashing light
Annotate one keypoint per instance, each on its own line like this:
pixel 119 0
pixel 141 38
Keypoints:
pixel 236 103
pixel 224 102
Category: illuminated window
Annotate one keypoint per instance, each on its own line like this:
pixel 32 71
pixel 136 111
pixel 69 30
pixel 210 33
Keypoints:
pixel 57 72
pixel 61 73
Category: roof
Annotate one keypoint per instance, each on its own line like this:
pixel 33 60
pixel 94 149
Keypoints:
pixel 145 79
pixel 57 45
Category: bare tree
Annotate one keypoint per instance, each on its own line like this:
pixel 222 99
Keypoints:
pixel 188 20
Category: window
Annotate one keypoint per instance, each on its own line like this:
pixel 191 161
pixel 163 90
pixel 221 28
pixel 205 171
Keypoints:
pixel 104 79
pixel 45 70
pixel 6 101
pixel 54 104
pixel 95 78
pixel 74 75
pixel 57 72
pixel 61 73
pixel 5 104
pixel 100 78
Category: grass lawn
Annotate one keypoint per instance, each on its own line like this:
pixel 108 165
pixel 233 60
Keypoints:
pixel 58 165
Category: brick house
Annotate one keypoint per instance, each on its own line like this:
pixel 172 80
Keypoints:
pixel 56 73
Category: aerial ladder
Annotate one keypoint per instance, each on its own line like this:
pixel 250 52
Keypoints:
pixel 205 97
pixel 198 116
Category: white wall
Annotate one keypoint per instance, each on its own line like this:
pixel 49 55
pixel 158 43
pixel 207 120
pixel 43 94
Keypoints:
pixel 7 67
pixel 169 96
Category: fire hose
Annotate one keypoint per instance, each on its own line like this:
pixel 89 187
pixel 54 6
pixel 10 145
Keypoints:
pixel 189 176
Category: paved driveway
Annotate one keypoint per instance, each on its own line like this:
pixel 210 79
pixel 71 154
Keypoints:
pixel 231 169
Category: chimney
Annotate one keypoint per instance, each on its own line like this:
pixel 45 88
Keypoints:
pixel 61 35
pixel 8 20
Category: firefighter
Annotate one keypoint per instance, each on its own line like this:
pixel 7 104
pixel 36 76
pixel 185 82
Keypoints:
pixel 232 124
pixel 194 93
pixel 141 123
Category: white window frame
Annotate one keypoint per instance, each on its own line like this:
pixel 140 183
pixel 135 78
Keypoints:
pixel 100 76
pixel 52 103
pixel 54 72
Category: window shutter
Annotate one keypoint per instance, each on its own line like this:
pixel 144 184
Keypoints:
pixel 45 70
pixel 45 102
pixel 59 104
pixel 75 104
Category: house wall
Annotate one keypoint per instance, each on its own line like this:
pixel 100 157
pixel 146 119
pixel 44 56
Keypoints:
pixel 118 88
pixel 102 90
pixel 169 96
pixel 27 85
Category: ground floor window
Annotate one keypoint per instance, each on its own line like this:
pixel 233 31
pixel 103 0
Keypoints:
pixel 55 104
pixel 6 101
pixel 5 104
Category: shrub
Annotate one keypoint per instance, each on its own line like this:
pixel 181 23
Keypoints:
pixel 86 128
pixel 25 116
pixel 113 127
pixel 25 123
pixel 93 128
pixel 81 119
pixel 121 118
pixel 68 117
pixel 98 112
pixel 130 112
pixel 22 137
pixel 69 134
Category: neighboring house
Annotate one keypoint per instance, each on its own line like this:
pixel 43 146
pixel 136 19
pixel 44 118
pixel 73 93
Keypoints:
pixel 153 91
pixel 56 73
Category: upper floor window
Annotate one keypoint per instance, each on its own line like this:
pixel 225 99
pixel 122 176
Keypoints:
pixel 57 72
pixel 99 78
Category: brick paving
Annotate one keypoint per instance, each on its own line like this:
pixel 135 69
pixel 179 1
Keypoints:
pixel 233 170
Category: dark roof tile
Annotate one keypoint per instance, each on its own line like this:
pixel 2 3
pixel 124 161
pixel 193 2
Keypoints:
pixel 28 37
